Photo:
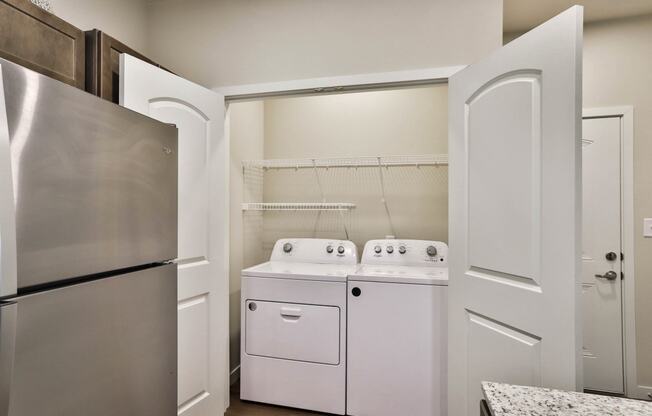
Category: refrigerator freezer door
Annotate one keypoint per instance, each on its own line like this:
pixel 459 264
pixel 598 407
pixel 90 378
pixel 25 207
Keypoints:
pixel 7 342
pixel 104 348
pixel 7 218
pixel 95 184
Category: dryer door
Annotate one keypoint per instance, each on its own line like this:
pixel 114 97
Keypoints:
pixel 292 331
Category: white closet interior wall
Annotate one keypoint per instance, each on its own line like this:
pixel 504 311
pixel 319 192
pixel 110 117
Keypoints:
pixel 246 128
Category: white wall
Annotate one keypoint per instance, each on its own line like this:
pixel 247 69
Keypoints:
pixel 231 42
pixel 125 20
pixel 246 130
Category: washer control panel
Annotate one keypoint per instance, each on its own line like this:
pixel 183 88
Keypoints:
pixel 315 250
pixel 406 253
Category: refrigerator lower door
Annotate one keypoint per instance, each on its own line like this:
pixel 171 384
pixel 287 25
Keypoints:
pixel 103 348
pixel 7 342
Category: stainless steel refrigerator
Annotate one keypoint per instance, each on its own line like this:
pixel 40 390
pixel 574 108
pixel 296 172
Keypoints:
pixel 88 226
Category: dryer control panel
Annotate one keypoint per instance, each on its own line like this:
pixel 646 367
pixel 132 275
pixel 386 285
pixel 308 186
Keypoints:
pixel 406 253
pixel 315 250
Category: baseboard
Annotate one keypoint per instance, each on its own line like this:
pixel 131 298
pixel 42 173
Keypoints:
pixel 235 375
pixel 640 392
pixel 643 393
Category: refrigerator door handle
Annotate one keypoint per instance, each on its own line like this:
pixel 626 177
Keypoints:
pixel 8 259
pixel 7 347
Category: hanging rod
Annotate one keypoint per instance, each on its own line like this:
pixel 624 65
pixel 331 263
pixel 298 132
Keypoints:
pixel 297 206
pixel 349 162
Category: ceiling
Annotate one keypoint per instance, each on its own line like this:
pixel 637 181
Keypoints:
pixel 522 15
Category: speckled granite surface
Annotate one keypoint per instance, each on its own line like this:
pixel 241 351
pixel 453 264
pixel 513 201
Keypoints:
pixel 510 400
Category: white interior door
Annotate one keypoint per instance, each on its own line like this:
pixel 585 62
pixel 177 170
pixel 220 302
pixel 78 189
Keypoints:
pixel 601 259
pixel 515 212
pixel 203 220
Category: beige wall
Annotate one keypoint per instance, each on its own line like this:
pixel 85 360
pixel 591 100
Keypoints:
pixel 247 134
pixel 232 42
pixel 395 122
pixel 618 71
pixel 125 20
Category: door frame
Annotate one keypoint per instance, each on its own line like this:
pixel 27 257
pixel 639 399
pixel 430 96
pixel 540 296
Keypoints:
pixel 627 230
pixel 339 84
pixel 327 85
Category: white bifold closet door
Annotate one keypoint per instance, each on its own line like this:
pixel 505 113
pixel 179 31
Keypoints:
pixel 515 215
pixel 203 158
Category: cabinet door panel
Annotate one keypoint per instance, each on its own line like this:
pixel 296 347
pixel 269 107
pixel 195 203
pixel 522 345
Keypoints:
pixel 38 40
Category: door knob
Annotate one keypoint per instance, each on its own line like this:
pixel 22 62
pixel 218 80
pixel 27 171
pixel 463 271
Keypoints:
pixel 611 256
pixel 610 275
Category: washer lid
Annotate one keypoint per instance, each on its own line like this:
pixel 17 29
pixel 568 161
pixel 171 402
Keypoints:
pixel 301 271
pixel 401 274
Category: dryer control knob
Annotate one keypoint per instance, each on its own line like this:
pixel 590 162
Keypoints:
pixel 378 249
pixel 287 247
pixel 390 249
pixel 340 249
pixel 402 249
pixel 329 249
pixel 431 251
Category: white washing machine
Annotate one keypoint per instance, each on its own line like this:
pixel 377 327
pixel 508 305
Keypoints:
pixel 293 342
pixel 397 323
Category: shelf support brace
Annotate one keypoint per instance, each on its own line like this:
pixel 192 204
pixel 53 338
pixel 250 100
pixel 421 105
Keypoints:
pixel 383 198
pixel 323 200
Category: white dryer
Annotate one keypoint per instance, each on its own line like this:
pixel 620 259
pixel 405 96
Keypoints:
pixel 397 323
pixel 293 342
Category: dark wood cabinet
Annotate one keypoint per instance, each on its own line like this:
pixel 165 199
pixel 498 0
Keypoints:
pixel 38 40
pixel 43 42
pixel 103 64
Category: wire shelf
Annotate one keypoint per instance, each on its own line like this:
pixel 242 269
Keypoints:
pixel 297 206
pixel 349 162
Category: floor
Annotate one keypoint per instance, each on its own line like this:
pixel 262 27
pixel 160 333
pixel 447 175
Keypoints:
pixel 240 408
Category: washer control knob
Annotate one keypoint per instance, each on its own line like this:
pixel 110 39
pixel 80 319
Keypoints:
pixel 390 249
pixel 340 249
pixel 402 249
pixel 378 249
pixel 329 249
pixel 287 247
pixel 431 251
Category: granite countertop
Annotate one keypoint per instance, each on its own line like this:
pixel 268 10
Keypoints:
pixel 511 400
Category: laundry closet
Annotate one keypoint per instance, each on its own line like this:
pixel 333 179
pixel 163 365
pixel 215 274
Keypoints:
pixel 358 166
